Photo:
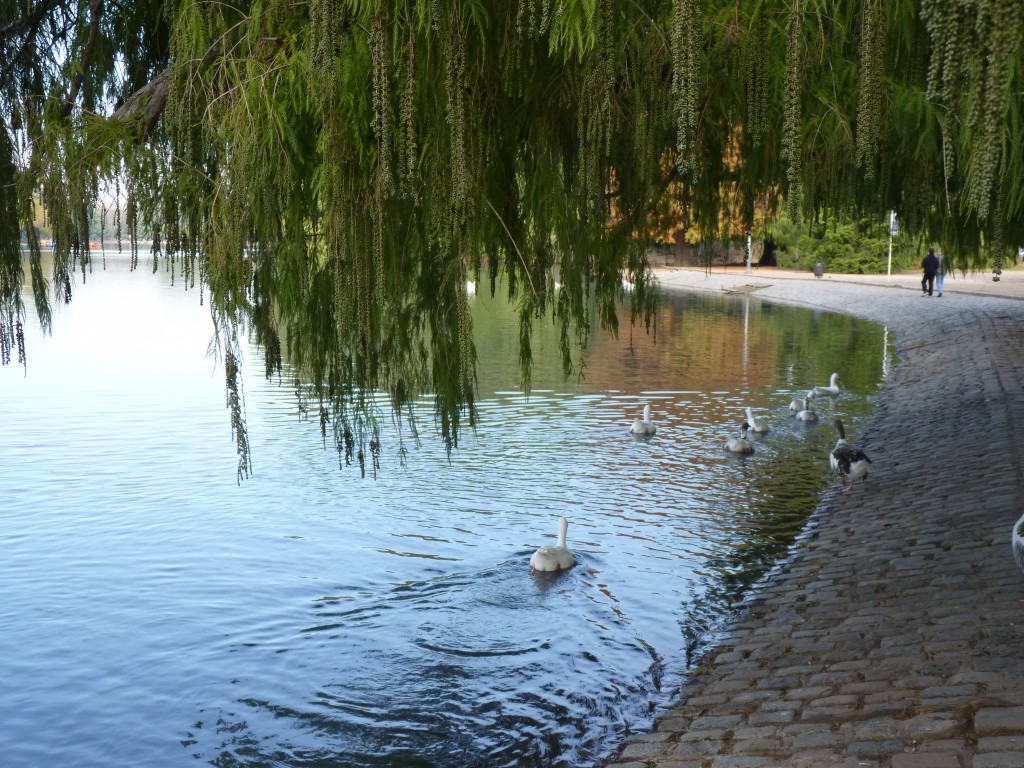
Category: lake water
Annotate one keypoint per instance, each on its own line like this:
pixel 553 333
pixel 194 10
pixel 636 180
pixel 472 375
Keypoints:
pixel 154 612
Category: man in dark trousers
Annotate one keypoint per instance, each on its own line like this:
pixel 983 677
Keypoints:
pixel 930 265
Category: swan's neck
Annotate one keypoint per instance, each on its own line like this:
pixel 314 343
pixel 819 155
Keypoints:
pixel 647 413
pixel 833 379
pixel 563 528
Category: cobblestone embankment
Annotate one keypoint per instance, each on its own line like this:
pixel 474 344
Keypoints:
pixel 893 636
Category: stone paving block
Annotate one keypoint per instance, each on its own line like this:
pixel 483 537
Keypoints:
pixel 998 760
pixel 815 741
pixel 936 725
pixel 642 750
pixel 745 761
pixel 756 746
pixel 1001 744
pixel 924 760
pixel 827 714
pixel 875 749
pixel 672 724
pixel 999 720
pixel 716 723
pixel 839 700
pixel 777 717
pixel 699 748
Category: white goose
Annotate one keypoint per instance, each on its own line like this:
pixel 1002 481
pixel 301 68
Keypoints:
pixel 740 444
pixel 797 403
pixel 807 413
pixel 757 424
pixel 830 391
pixel 557 558
pixel 644 426
pixel 847 461
pixel 1017 539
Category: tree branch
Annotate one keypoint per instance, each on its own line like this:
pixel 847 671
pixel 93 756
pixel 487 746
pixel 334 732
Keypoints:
pixel 30 26
pixel 95 12
pixel 148 102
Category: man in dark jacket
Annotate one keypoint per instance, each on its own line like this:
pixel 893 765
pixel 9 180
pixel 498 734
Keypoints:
pixel 930 265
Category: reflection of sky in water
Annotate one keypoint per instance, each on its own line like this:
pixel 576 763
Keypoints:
pixel 152 606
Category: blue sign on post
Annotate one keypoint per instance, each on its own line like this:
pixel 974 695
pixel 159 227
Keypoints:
pixel 895 225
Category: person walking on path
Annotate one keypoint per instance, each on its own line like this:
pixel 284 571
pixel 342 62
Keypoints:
pixel 940 276
pixel 930 264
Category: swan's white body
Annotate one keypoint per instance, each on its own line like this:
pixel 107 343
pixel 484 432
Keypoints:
pixel 797 403
pixel 848 462
pixel 740 444
pixel 1018 542
pixel 831 390
pixel 756 424
pixel 644 426
pixel 557 558
pixel 807 412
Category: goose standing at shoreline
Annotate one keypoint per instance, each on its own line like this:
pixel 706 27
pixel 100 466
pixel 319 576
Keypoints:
pixel 556 558
pixel 644 426
pixel 847 461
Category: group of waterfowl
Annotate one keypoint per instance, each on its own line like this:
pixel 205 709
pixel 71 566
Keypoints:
pixel 849 463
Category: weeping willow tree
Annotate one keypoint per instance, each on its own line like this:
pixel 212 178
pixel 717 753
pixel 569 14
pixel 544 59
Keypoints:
pixel 331 173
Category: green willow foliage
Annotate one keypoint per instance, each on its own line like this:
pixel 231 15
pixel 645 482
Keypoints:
pixel 332 173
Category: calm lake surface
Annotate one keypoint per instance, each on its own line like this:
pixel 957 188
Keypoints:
pixel 154 612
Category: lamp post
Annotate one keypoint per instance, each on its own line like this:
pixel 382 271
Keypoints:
pixel 748 250
pixel 893 229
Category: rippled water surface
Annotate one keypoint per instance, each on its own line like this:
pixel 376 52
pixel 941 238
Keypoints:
pixel 154 612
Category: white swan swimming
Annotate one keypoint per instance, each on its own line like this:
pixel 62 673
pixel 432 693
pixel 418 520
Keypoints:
pixel 831 390
pixel 807 413
pixel 740 444
pixel 757 424
pixel 644 426
pixel 847 461
pixel 557 558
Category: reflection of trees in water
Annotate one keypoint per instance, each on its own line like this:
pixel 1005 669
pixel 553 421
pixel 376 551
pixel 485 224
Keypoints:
pixel 783 504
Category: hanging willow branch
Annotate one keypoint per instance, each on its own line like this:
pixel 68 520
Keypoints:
pixel 331 172
pixel 792 138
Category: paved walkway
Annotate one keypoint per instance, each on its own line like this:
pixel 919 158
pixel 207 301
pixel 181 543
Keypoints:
pixel 893 636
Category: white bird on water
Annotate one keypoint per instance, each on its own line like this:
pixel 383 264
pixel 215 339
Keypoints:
pixel 644 426
pixel 556 558
pixel 807 413
pixel 831 390
pixel 740 444
pixel 757 423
